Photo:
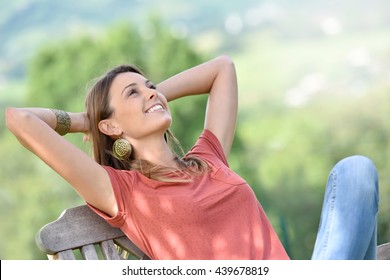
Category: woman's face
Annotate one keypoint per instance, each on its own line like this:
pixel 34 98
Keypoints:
pixel 139 109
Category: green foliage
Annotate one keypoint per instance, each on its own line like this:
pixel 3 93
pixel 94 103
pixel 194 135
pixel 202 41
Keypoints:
pixel 59 73
pixel 31 194
pixel 293 147
pixel 58 76
pixel 284 152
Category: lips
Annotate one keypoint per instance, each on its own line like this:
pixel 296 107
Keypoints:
pixel 154 108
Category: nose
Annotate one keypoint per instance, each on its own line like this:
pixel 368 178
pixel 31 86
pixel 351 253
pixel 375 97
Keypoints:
pixel 151 94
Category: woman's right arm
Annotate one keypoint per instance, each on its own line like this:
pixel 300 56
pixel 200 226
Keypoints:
pixel 34 128
pixel 218 78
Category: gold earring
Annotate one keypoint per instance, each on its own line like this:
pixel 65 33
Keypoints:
pixel 121 149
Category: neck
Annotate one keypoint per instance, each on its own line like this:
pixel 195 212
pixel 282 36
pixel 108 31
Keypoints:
pixel 156 151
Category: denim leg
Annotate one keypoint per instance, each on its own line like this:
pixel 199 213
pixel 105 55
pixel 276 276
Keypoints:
pixel 348 224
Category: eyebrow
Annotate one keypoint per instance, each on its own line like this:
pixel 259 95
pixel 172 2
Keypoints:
pixel 135 84
pixel 130 85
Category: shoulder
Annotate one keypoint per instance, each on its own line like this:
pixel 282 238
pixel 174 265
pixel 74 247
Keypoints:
pixel 121 179
pixel 209 148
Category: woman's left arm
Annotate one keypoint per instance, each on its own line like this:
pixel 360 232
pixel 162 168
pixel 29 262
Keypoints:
pixel 218 78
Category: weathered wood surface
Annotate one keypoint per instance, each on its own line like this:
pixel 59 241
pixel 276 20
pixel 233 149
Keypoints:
pixel 80 228
pixel 384 251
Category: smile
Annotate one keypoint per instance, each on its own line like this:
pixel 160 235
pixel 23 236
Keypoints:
pixel 154 108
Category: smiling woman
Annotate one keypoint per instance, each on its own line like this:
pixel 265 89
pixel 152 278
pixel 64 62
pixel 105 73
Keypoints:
pixel 192 206
pixel 141 113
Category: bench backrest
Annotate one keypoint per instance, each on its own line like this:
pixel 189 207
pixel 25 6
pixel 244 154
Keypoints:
pixel 79 233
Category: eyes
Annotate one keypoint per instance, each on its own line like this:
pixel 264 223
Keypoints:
pixel 131 92
pixel 133 89
pixel 150 85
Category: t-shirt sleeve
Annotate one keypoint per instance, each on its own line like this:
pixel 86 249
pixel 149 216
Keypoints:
pixel 122 183
pixel 209 148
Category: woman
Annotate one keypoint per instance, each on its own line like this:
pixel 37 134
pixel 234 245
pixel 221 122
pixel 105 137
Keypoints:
pixel 193 207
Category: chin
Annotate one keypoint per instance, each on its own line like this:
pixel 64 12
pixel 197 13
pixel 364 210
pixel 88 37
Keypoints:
pixel 163 123
pixel 168 124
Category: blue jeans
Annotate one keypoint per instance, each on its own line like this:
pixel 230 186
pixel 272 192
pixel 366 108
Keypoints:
pixel 348 225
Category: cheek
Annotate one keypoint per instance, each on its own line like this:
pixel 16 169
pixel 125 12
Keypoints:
pixel 169 110
pixel 162 98
pixel 127 108
pixel 128 117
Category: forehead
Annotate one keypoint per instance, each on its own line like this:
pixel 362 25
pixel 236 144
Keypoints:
pixel 125 79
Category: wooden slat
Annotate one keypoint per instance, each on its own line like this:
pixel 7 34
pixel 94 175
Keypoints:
pixel 65 255
pixel 89 252
pixel 384 251
pixel 75 228
pixel 81 228
pixel 129 246
pixel 109 250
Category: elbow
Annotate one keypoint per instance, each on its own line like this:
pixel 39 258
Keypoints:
pixel 10 118
pixel 227 69
pixel 226 60
pixel 13 119
pixel 226 65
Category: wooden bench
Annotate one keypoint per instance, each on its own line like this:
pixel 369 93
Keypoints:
pixel 384 251
pixel 81 234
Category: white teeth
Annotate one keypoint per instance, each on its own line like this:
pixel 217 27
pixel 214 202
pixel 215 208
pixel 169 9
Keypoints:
pixel 155 108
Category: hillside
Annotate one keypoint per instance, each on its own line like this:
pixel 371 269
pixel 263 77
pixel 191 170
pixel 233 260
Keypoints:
pixel 27 24
pixel 313 88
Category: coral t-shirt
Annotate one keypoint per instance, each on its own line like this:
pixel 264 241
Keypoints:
pixel 216 216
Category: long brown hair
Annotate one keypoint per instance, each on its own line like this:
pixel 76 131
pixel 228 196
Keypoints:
pixel 98 108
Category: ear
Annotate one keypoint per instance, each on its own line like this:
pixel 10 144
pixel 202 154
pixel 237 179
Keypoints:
pixel 108 128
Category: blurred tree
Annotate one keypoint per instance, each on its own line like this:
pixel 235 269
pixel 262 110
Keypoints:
pixel 293 150
pixel 57 78
pixel 284 153
pixel 59 72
